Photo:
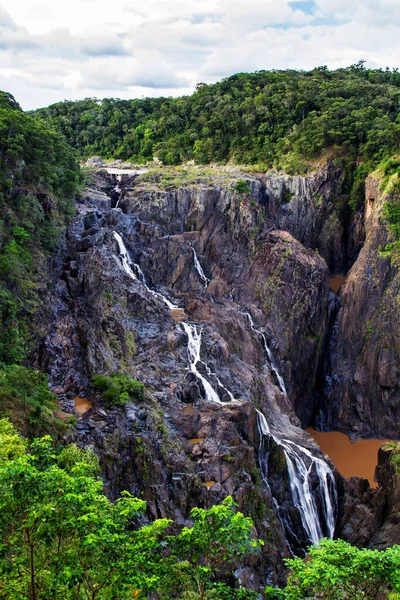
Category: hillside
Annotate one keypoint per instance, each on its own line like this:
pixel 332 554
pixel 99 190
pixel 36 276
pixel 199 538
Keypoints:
pixel 276 118
pixel 38 180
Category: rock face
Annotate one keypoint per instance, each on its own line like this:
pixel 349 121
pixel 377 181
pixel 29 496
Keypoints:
pixel 259 267
pixel 362 373
pixel 241 271
pixel 372 517
pixel 312 208
pixel 250 291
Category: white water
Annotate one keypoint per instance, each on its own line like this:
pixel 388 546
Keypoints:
pixel 199 269
pixel 121 172
pixel 300 484
pixel 194 347
pixel 124 256
pixel 194 334
pixel 269 354
pixel 325 477
pixel 299 473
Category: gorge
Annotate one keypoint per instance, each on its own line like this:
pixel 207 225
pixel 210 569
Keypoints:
pixel 216 300
pixel 186 337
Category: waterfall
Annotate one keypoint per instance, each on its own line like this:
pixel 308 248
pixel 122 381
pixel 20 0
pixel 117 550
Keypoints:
pixel 300 483
pixel 299 473
pixel 193 334
pixel 127 262
pixel 269 354
pixel 124 256
pixel 117 189
pixel 199 269
pixel 194 346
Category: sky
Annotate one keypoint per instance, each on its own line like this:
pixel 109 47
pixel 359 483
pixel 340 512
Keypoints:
pixel 51 50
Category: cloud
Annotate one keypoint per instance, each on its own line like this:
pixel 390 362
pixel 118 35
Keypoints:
pixel 103 45
pixel 6 20
pixel 51 50
pixel 147 70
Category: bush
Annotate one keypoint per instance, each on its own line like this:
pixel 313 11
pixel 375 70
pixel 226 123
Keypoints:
pixel 25 398
pixel 243 187
pixel 118 388
pixel 335 570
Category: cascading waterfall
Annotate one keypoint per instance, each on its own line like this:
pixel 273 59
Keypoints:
pixel 192 332
pixel 127 262
pixel 194 347
pixel 300 484
pixel 298 471
pixel 199 269
pixel 269 354
pixel 117 189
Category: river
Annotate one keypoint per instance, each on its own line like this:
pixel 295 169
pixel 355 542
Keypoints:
pixel 352 460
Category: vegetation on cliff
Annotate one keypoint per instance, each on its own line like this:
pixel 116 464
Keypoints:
pixel 38 178
pixel 276 118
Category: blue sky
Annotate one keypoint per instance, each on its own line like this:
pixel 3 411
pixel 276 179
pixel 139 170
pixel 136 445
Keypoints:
pixel 50 51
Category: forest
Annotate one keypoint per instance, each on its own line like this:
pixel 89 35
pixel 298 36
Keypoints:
pixel 280 119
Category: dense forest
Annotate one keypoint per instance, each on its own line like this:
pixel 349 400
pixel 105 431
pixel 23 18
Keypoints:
pixel 271 118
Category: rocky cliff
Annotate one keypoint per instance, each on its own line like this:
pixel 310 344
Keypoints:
pixel 256 302
pixel 361 392
pixel 215 295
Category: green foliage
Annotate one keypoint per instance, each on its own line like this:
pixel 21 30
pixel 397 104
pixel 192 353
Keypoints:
pixel 243 187
pixel 199 553
pixel 392 214
pixel 394 448
pixel 26 399
pixel 274 118
pixel 12 445
pixel 61 538
pixel 118 388
pixel 336 570
pixel 357 192
pixel 38 179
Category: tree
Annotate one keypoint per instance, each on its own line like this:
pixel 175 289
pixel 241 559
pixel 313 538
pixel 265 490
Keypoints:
pixel 202 552
pixel 334 570
pixel 61 538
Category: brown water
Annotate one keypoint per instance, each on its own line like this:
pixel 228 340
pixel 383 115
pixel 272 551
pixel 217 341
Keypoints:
pixel 335 283
pixel 196 441
pixel 351 460
pixel 178 314
pixel 209 484
pixel 82 405
pixel 189 409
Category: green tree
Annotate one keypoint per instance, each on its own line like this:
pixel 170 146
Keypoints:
pixel 206 550
pixel 335 570
pixel 61 538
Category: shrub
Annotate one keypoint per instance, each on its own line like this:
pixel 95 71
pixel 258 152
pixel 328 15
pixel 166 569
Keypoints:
pixel 243 187
pixel 118 388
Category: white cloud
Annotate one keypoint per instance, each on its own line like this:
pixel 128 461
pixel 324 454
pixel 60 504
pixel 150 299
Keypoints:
pixel 53 50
